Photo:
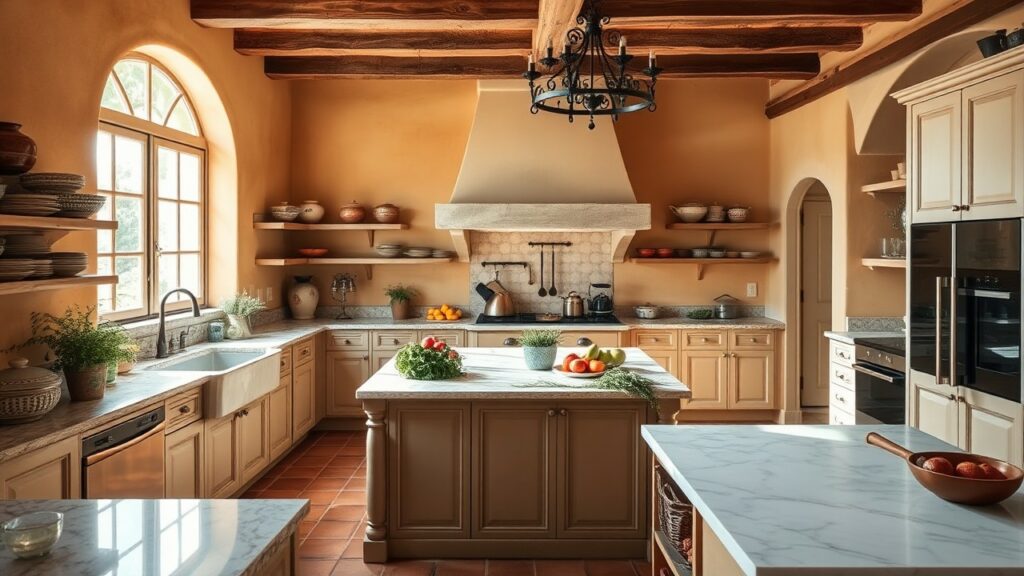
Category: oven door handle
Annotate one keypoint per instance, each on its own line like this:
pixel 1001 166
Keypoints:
pixel 953 320
pixel 939 284
pixel 101 456
pixel 863 369
pixel 993 294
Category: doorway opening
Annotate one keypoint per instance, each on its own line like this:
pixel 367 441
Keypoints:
pixel 815 303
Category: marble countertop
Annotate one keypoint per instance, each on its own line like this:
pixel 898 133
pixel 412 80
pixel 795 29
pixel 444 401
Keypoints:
pixel 500 373
pixel 154 537
pixel 851 337
pixel 818 500
pixel 309 327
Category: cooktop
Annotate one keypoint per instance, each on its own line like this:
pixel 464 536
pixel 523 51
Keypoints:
pixel 532 319
pixel 890 344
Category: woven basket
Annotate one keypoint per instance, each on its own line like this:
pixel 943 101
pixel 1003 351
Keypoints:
pixel 675 515
pixel 18 409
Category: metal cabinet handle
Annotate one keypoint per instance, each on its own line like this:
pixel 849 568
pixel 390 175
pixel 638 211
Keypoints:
pixel 184 409
pixel 841 376
pixel 562 412
pixel 366 357
pixel 584 341
pixel 394 340
pixel 840 398
pixel 510 342
pixel 305 351
pixel 951 397
pixel 551 412
pixel 955 208
pixel 842 355
pixel 965 207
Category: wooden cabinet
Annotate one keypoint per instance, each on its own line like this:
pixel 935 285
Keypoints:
pixel 50 473
pixel 935 410
pixel 303 400
pixel 751 380
pixel 728 370
pixel 184 464
pixel 183 409
pixel 379 359
pixel 455 338
pixel 253 439
pixel 935 159
pixel 303 352
pixel 706 373
pixel 345 372
pixel 669 360
pixel 391 340
pixel 279 418
pixel 570 339
pixel 223 474
pixel 993 141
pixel 991 426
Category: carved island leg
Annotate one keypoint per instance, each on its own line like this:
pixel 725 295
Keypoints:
pixel 667 410
pixel 375 544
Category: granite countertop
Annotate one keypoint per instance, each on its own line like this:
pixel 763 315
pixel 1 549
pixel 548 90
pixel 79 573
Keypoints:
pixel 851 337
pixel 151 537
pixel 309 327
pixel 819 500
pixel 500 373
pixel 681 323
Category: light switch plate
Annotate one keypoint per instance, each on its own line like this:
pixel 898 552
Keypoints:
pixel 751 289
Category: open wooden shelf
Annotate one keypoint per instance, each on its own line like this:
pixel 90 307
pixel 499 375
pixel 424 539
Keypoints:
pixel 885 187
pixel 702 262
pixel 673 558
pixel 884 262
pixel 262 222
pixel 712 228
pixel 53 228
pixel 22 286
pixel 367 262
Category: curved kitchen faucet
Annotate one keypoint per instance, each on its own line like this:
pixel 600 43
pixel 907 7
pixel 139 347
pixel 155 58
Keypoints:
pixel 161 340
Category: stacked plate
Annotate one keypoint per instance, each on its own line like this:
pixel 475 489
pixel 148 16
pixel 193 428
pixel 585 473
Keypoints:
pixel 79 205
pixel 12 269
pixel 389 250
pixel 26 246
pixel 417 252
pixel 438 253
pixel 41 268
pixel 53 181
pixel 29 204
pixel 67 264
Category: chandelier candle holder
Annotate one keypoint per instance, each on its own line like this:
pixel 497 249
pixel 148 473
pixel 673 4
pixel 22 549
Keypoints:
pixel 586 79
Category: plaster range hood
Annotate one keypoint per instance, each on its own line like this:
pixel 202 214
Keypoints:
pixel 518 175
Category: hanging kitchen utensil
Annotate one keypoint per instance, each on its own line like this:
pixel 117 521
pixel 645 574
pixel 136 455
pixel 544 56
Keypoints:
pixel 553 291
pixel 971 491
pixel 543 290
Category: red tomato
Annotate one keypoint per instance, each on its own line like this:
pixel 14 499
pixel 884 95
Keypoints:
pixel 578 365
pixel 428 342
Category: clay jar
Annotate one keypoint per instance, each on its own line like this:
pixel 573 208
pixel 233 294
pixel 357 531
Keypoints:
pixel 17 151
pixel 303 298
pixel 352 213
pixel 386 213
pixel 311 212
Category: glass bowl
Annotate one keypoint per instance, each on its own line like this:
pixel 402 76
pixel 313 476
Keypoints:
pixel 32 535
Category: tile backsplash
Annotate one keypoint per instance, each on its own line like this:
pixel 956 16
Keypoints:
pixel 576 267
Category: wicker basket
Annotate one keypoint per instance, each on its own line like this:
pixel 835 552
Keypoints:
pixel 675 516
pixel 27 393
pixel 19 409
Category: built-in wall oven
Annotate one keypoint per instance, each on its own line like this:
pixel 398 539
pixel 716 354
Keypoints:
pixel 880 383
pixel 965 304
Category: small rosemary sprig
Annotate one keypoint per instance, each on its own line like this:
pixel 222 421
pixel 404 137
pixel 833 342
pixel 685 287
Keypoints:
pixel 615 379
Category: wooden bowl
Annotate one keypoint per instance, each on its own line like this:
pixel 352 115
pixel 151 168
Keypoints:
pixel 970 491
pixel 312 252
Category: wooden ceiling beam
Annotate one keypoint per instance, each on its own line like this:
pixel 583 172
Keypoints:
pixel 684 13
pixel 920 34
pixel 271 42
pixel 367 14
pixel 776 66
pixel 554 19
pixel 745 40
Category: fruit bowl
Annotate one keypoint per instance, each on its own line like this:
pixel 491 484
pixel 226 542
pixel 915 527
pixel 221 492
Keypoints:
pixel 571 374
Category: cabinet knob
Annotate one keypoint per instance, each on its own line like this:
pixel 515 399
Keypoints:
pixel 185 409
pixel 347 341
pixel 704 340
pixel 965 207
pixel 510 342
pixel 551 412
pixel 394 341
pixel 951 397
pixel 956 208
pixel 840 398
pixel 584 341
pixel 562 412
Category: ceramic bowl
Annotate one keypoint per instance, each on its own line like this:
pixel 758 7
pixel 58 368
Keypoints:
pixel 646 312
pixel 732 254
pixel 690 213
pixel 313 252
pixel 646 252
pixel 750 254
pixel 699 252
pixel 285 212
pixel 738 214
pixel 33 535
pixel 716 253
pixel 666 252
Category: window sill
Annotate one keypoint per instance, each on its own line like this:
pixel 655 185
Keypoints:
pixel 177 319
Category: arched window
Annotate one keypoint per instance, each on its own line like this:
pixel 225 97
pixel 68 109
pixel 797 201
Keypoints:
pixel 151 165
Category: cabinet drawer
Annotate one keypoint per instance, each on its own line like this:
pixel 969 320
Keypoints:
pixel 656 339
pixel 703 340
pixel 839 417
pixel 286 361
pixel 183 409
pixel 341 340
pixel 841 375
pixel 841 353
pixel 392 339
pixel 751 340
pixel 841 398
pixel 303 352
pixel 455 338
pixel 602 339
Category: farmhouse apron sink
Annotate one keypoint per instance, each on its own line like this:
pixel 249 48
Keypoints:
pixel 236 376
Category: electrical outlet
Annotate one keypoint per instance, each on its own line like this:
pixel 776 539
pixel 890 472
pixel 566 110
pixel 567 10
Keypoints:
pixel 751 289
pixel 270 293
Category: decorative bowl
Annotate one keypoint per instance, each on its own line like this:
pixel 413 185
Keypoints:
pixel 646 252
pixel 732 254
pixel 690 213
pixel 646 312
pixel 33 535
pixel 666 252
pixel 313 252
pixel 738 214
pixel 27 393
pixel 386 213
pixel 285 212
pixel 352 213
pixel 716 253
pixel 699 252
pixel 750 254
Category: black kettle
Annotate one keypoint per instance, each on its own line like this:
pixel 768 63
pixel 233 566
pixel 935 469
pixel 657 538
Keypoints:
pixel 602 303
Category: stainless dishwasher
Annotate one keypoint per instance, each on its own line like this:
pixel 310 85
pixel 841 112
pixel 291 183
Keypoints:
pixel 126 461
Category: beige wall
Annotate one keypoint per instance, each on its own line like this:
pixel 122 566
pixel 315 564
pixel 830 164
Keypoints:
pixel 57 59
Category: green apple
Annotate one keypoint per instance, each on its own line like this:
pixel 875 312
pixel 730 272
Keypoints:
pixel 617 357
pixel 592 353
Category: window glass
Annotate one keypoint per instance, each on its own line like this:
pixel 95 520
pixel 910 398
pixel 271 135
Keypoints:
pixel 164 95
pixel 112 97
pixel 134 76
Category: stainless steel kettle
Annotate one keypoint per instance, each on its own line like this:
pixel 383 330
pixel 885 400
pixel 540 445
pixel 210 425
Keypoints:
pixel 499 299
pixel 572 305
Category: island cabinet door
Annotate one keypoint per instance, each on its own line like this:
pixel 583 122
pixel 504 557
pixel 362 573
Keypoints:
pixel 428 463
pixel 346 371
pixel 601 471
pixel 706 373
pixel 514 459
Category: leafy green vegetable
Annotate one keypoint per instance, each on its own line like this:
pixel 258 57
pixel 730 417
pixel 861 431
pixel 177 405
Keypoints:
pixel 700 314
pixel 418 363
pixel 540 338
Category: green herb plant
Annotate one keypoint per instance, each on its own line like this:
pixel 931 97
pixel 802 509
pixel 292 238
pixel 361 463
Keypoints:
pixel 77 342
pixel 399 293
pixel 540 338
pixel 620 379
pixel 418 363
pixel 242 305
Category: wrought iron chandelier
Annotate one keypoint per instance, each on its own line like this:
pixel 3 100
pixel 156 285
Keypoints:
pixel 586 79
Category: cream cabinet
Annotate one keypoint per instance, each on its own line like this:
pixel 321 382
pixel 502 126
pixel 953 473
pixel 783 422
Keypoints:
pixel 991 426
pixel 50 473
pixel 935 409
pixel 993 141
pixel 303 400
pixel 183 455
pixel 706 373
pixel 279 418
pixel 346 371
pixel 935 160
pixel 841 378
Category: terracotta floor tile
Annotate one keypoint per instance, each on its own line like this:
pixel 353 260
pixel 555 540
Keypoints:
pixel 305 527
pixel 335 484
pixel 333 441
pixel 281 494
pixel 345 472
pixel 356 484
pixel 315 512
pixel 251 494
pixel 263 483
pixel 460 568
pixel 324 450
pixel 319 461
pixel 308 567
pixel 351 512
pixel 642 568
pixel 560 568
pixel 329 548
pixel 354 549
pixel 355 567
pixel 359 473
pixel 410 568
pixel 354 461
pixel 350 498
pixel 610 568
pixel 320 497
pixel 333 529
pixel 290 484
pixel 510 568
pixel 308 472
pixel 352 450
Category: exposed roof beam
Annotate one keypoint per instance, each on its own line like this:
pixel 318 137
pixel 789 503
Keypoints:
pixel 269 42
pixel 363 14
pixel 902 44
pixel 782 66
pixel 745 40
pixel 554 19
pixel 683 13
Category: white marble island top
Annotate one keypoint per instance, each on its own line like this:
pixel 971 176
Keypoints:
pixel 494 373
pixel 818 500
pixel 156 537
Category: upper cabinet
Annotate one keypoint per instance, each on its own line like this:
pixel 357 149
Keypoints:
pixel 966 142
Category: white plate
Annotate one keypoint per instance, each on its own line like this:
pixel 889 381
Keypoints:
pixel 577 374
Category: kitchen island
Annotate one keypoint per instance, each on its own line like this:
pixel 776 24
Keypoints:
pixel 506 462
pixel 151 537
pixel 783 500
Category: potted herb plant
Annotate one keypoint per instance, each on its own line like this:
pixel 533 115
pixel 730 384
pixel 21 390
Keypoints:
pixel 399 296
pixel 239 309
pixel 84 350
pixel 539 348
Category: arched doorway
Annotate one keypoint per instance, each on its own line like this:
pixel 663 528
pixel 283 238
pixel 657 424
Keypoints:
pixel 815 302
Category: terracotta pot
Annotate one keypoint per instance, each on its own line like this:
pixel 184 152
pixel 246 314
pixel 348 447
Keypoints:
pixel 400 309
pixel 386 213
pixel 17 151
pixel 303 298
pixel 352 213
pixel 88 383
